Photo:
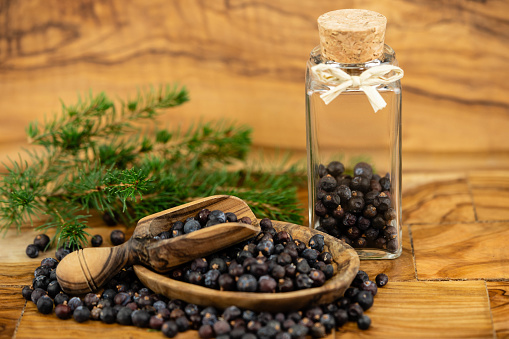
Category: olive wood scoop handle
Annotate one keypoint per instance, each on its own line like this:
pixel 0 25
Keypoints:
pixel 88 269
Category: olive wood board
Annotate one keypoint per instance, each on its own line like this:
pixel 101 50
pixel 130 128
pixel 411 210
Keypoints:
pixel 86 270
pixel 345 262
pixel 438 309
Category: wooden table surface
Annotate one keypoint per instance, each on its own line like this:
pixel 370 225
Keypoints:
pixel 452 280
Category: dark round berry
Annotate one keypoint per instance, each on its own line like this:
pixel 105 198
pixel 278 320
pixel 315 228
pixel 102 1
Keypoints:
pixel 63 311
pixel 320 209
pixel 354 312
pixel 365 299
pixel 41 241
pixel 45 304
pixel 122 298
pixel 245 220
pixel 267 284
pixel 360 277
pixel 140 318
pixel 318 277
pixel 49 262
pixel 61 253
pixel 53 288
pixel 344 192
pixel 303 281
pixel 381 280
pixel 335 168
pixel 351 293
pixel 392 245
pixel 247 283
pixel 331 201
pixel 369 198
pixel 299 331
pixel 96 240
pixel 364 170
pixel 317 330
pixel 340 317
pixel 221 327
pixel 117 237
pixel 217 215
pixel 27 293
pixel 360 243
pixel 203 216
pixel 108 315
pixel 265 224
pixel 327 320
pixel 360 184
pixel 60 298
pixel 41 282
pixel 206 331
pixel 317 242
pixel 266 247
pixel 226 282
pixel 32 251
pixel 42 270
pixel 369 286
pixel 363 322
pixel 81 314
pixel 363 223
pixel 170 329
pixel 74 303
pixel 124 316
pixel 382 202
pixel 211 279
pixel 327 183
pixel 355 205
pixel 191 226
pixel 90 300
pixel 218 264
pixel 109 294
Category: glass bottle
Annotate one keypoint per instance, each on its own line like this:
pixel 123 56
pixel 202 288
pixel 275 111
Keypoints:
pixel 354 145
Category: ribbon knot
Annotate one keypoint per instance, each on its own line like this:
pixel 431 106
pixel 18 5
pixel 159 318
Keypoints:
pixel 339 80
pixel 356 81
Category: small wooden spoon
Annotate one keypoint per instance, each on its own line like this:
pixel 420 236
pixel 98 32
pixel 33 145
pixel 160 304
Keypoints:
pixel 86 270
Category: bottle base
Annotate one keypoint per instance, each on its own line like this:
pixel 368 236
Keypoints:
pixel 375 253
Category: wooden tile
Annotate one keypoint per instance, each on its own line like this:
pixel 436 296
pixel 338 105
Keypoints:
pixel 461 251
pixel 400 269
pixel 11 306
pixel 490 191
pixel 427 309
pixel 499 302
pixel 438 202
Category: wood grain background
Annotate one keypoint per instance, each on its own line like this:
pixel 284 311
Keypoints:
pixel 245 60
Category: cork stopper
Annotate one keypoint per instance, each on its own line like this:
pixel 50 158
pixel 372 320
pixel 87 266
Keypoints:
pixel 352 35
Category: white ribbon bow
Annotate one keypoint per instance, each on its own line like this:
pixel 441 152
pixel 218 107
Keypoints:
pixel 366 82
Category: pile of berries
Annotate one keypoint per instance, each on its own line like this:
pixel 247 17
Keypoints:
pixel 270 262
pixel 358 209
pixel 127 302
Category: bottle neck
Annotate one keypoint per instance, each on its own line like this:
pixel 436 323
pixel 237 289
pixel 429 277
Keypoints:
pixel 388 58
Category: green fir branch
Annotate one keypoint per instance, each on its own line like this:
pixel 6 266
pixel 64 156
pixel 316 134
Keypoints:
pixel 94 156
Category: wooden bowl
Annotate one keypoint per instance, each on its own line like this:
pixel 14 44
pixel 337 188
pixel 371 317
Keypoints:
pixel 345 262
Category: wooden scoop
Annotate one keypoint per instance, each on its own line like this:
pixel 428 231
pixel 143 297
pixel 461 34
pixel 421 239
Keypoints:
pixel 86 270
